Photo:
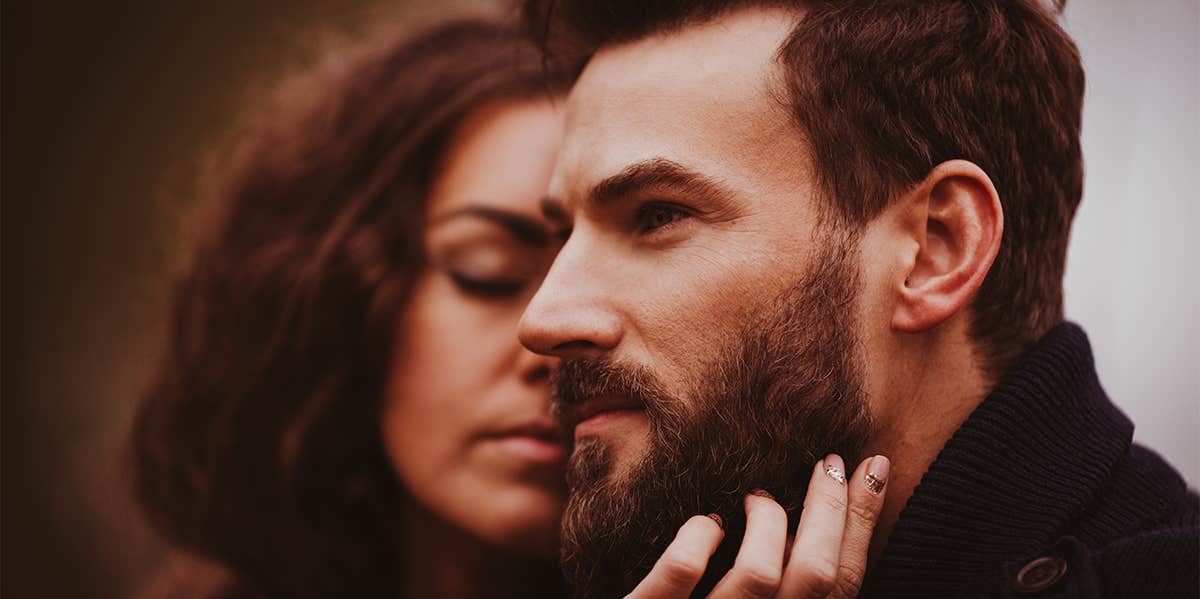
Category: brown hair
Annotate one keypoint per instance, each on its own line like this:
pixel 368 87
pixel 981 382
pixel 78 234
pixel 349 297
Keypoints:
pixel 258 443
pixel 884 90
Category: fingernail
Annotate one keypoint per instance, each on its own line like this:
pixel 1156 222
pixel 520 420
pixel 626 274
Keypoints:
pixel 833 467
pixel 877 473
pixel 718 519
pixel 762 493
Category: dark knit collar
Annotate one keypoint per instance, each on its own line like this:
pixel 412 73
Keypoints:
pixel 1012 479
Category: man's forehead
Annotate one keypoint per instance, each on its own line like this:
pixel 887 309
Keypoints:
pixel 703 96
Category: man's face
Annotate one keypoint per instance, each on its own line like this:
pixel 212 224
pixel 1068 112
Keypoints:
pixel 705 313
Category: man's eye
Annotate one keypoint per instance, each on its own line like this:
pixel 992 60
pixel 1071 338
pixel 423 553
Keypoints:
pixel 652 217
pixel 488 288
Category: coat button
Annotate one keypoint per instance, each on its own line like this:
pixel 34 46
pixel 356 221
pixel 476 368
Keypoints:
pixel 1040 574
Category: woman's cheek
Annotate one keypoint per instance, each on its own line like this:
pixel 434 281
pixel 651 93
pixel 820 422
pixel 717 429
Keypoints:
pixel 438 382
pixel 421 422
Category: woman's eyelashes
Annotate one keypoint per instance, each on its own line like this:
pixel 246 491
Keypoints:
pixel 488 287
pixel 655 217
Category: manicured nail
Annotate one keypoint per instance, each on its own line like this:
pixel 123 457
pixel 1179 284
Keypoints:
pixel 833 467
pixel 718 519
pixel 763 493
pixel 877 474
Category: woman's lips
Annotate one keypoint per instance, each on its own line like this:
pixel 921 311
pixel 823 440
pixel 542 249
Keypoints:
pixel 533 449
pixel 538 441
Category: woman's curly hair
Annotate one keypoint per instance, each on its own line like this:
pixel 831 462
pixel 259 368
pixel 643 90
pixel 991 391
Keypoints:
pixel 257 444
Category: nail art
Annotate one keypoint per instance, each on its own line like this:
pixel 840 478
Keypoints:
pixel 718 519
pixel 876 477
pixel 836 474
pixel 874 485
pixel 762 493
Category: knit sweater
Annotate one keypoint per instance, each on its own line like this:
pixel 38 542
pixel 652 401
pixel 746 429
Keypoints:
pixel 1041 493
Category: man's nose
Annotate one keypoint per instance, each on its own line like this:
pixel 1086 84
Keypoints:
pixel 571 315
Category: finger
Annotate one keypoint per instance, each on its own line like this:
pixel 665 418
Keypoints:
pixel 812 569
pixel 756 571
pixel 865 496
pixel 676 573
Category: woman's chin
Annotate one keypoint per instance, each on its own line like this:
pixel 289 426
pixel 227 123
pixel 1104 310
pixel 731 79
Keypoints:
pixel 525 521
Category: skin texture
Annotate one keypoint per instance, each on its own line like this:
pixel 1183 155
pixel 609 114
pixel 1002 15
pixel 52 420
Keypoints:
pixel 465 420
pixel 659 274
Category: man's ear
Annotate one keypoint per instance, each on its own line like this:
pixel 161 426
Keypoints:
pixel 957 225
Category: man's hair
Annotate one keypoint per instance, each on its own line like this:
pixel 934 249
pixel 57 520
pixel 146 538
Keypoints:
pixel 885 90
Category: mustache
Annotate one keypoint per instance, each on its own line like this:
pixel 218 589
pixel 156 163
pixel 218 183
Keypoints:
pixel 579 380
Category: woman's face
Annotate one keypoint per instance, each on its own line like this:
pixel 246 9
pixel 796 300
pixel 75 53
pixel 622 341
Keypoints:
pixel 465 420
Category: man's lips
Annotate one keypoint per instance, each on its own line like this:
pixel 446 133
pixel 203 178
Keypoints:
pixel 600 406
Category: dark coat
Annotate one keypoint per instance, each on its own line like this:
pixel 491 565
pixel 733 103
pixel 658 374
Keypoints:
pixel 1041 493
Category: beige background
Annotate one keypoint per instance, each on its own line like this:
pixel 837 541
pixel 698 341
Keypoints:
pixel 106 106
pixel 1133 279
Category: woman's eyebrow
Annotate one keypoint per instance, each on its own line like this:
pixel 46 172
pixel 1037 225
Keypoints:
pixel 526 229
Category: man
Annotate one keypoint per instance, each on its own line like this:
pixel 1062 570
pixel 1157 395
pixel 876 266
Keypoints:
pixel 796 228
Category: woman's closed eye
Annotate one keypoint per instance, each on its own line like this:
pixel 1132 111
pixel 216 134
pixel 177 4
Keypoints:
pixel 489 287
pixel 492 272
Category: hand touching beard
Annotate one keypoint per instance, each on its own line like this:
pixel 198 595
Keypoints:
pixel 784 393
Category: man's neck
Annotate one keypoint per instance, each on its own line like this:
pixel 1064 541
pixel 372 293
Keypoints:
pixel 937 385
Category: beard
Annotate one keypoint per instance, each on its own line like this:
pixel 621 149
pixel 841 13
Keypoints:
pixel 782 395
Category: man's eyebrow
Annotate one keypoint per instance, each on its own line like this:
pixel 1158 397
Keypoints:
pixel 526 229
pixel 656 173
pixel 651 173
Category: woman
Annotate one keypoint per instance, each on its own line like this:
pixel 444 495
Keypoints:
pixel 343 408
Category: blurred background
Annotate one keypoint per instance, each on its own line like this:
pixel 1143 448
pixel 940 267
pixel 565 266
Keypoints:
pixel 108 106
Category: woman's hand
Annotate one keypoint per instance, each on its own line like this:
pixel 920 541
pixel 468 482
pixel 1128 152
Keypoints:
pixel 827 559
